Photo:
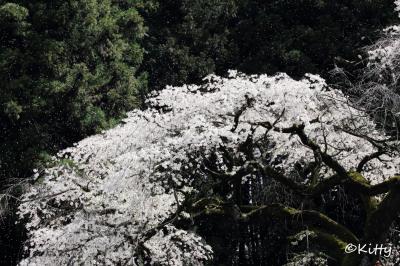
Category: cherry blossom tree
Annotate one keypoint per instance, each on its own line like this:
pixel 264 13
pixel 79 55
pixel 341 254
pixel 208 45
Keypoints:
pixel 132 195
pixel 378 88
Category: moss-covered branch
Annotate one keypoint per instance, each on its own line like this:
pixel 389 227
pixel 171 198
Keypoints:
pixel 332 236
pixel 380 220
pixel 323 242
pixel 359 184
pixel 299 218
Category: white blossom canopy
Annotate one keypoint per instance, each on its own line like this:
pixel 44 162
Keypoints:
pixel 102 197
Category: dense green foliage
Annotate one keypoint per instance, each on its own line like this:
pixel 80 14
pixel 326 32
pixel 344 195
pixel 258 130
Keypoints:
pixel 67 70
pixel 189 39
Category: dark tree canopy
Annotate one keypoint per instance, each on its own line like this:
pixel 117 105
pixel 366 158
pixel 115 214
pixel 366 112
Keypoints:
pixel 304 36
pixel 68 69
pixel 189 39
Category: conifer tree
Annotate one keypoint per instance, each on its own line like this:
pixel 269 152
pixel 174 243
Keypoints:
pixel 67 69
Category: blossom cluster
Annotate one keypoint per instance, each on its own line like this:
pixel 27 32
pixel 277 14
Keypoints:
pixel 101 198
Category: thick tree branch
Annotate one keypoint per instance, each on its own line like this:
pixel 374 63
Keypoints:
pixel 300 189
pixel 326 158
pixel 300 217
pixel 368 158
pixel 327 243
pixel 378 224
pixel 342 177
pixel 381 219
pixel 281 178
pixel 355 181
pixel 299 131
pixel 358 183
pixel 244 213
